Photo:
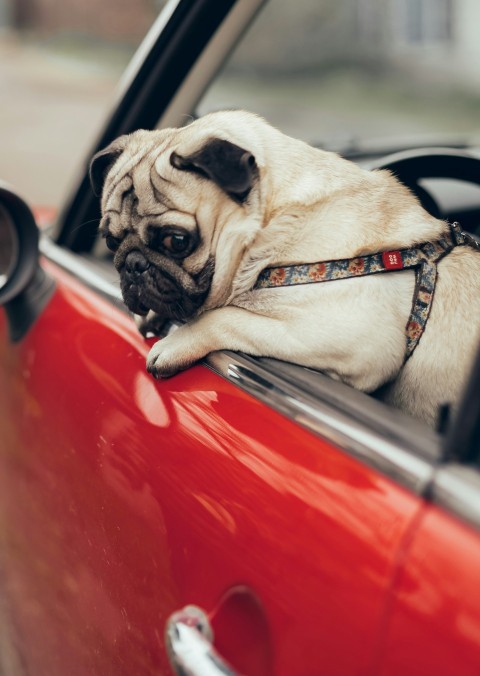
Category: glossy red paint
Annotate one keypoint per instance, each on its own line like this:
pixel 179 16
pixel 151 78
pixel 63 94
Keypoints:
pixel 435 616
pixel 124 499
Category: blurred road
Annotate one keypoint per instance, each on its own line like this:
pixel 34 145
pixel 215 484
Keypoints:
pixel 52 104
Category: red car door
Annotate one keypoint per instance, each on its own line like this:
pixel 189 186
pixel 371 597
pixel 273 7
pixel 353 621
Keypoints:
pixel 123 499
pixel 435 621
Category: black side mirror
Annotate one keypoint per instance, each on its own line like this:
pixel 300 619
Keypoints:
pixel 24 287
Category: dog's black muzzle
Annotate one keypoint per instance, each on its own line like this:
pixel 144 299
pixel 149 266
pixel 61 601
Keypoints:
pixel 132 282
pixel 150 281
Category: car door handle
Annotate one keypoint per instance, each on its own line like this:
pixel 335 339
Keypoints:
pixel 189 643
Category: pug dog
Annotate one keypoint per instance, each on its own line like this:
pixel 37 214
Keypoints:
pixel 196 215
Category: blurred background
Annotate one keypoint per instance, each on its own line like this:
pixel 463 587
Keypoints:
pixel 346 74
pixel 60 63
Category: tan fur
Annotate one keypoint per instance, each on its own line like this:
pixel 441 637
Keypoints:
pixel 308 205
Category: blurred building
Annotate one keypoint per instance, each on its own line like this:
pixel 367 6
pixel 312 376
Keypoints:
pixel 110 19
pixel 5 15
pixel 427 38
pixel 431 38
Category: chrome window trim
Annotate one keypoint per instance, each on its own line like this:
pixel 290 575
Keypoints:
pixel 456 488
pixel 413 469
pixel 144 49
pixel 324 419
pixel 213 57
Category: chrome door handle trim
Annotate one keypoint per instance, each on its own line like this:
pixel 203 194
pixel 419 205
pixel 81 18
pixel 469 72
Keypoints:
pixel 189 643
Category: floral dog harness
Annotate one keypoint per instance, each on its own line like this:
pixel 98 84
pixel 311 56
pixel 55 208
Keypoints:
pixel 422 258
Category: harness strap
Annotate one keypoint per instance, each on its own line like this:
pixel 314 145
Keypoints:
pixel 423 259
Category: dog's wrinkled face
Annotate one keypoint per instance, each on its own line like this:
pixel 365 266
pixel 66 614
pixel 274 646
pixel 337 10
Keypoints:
pixel 165 207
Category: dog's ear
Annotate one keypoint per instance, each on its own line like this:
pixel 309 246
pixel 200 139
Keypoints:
pixel 102 162
pixel 232 168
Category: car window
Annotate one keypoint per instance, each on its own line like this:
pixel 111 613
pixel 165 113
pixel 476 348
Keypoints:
pixel 346 75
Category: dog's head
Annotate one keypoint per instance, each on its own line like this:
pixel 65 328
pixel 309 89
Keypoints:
pixel 178 211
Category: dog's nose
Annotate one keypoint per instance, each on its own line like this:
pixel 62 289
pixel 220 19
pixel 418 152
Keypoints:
pixel 136 263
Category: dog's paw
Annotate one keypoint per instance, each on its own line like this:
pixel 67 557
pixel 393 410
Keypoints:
pixel 166 358
pixel 150 325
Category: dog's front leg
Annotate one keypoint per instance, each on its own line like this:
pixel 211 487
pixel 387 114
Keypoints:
pixel 227 328
pixel 151 324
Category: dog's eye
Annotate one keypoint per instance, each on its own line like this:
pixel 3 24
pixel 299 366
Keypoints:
pixel 112 242
pixel 176 243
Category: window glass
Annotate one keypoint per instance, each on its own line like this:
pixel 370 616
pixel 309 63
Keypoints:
pixel 350 73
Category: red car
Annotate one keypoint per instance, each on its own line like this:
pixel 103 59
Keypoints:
pixel 245 516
